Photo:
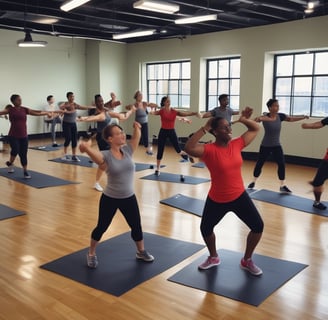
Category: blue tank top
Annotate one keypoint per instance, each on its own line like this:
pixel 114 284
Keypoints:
pixel 101 125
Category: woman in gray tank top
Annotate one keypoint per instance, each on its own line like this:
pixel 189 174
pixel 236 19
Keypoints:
pixel 270 144
pixel 119 192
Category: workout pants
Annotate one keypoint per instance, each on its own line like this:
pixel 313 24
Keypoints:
pixel 53 123
pixel 107 209
pixel 19 147
pixel 144 134
pixel 243 207
pixel 278 157
pixel 321 175
pixel 102 144
pixel 162 136
pixel 70 134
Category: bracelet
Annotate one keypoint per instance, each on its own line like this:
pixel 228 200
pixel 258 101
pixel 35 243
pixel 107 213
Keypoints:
pixel 203 129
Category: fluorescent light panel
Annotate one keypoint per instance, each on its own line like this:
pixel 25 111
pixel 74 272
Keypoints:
pixel 156 6
pixel 72 4
pixel 32 44
pixel 196 19
pixel 133 34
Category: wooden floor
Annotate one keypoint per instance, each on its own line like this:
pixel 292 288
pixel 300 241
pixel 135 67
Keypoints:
pixel 59 221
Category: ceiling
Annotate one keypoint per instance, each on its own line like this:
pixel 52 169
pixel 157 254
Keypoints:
pixel 100 19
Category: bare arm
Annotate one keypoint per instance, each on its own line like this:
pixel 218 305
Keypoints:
pixel 207 114
pixel 95 118
pixel 96 156
pixel 134 142
pixel 187 113
pixel 32 112
pixel 4 112
pixel 252 127
pixel 296 118
pixel 235 113
pixel 77 106
pixel 264 118
pixel 314 125
pixel 154 112
pixel 121 116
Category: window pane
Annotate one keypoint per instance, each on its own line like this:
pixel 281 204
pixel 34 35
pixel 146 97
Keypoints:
pixel 212 87
pixel 166 71
pixel 320 86
pixel 175 71
pixel 152 98
pixel 284 66
pixel 163 87
pixel 303 64
pixel 321 63
pixel 174 100
pixel 235 68
pixel 302 86
pixel 283 86
pixel 284 104
pixel 185 87
pixel 301 105
pixel 174 87
pixel 320 107
pixel 159 71
pixel 234 102
pixel 223 86
pixel 152 88
pixel 185 101
pixel 234 87
pixel 185 70
pixel 151 71
pixel 213 69
pixel 212 102
pixel 224 68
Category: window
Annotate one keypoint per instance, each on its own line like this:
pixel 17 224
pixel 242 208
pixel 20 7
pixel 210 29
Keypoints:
pixel 171 78
pixel 223 76
pixel 301 83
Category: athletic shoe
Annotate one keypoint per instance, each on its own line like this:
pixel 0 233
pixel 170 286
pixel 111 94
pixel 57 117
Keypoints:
pixel 27 175
pixel 191 159
pixel 285 190
pixel 10 167
pixel 250 266
pixel 145 256
pixel 157 173
pixel 251 185
pixel 319 205
pixel 150 153
pixel 92 261
pixel 98 187
pixel 209 263
pixel 185 157
pixel 75 158
pixel 66 158
pixel 55 145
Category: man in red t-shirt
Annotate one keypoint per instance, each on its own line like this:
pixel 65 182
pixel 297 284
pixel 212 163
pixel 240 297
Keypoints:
pixel 227 193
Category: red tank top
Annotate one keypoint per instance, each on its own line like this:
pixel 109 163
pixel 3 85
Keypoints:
pixel 17 118
pixel 168 118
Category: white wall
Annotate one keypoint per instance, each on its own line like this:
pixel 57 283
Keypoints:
pixel 256 47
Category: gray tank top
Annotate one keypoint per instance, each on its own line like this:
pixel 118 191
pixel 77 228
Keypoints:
pixel 101 125
pixel 226 114
pixel 70 117
pixel 141 116
pixel 272 131
pixel 120 174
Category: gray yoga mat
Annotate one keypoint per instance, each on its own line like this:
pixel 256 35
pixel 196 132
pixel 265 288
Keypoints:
pixel 146 166
pixel 118 270
pixel 289 201
pixel 230 281
pixel 184 203
pixel 7 212
pixel 171 177
pixel 38 180
pixel 46 148
pixel 85 162
pixel 199 165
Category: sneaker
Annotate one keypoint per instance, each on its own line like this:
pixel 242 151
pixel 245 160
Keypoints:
pixel 157 173
pixel 285 190
pixel 66 158
pixel 10 167
pixel 92 261
pixel 75 158
pixel 185 157
pixel 209 263
pixel 26 175
pixel 319 205
pixel 98 187
pixel 150 153
pixel 250 266
pixel 145 256
pixel 251 185
pixel 54 145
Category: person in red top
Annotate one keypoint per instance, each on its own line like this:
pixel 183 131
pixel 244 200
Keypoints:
pixel 18 131
pixel 227 193
pixel 168 116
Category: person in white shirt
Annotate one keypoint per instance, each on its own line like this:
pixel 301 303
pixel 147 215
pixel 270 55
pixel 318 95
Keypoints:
pixel 53 120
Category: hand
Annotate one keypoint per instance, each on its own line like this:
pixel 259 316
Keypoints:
pixel 306 116
pixel 186 120
pixel 198 115
pixel 246 113
pixel 136 125
pixel 258 119
pixel 84 145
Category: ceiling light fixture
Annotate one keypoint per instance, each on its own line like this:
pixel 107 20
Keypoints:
pixel 310 7
pixel 157 6
pixel 133 34
pixel 27 42
pixel 196 19
pixel 72 4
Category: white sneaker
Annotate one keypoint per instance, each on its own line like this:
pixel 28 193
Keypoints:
pixel 98 187
pixel 66 158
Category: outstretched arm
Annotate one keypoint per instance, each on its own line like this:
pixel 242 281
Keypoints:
pixel 296 118
pixel 207 114
pixel 188 113
pixel 134 142
pixel 95 118
pixel 314 125
pixel 96 156
pixel 252 127
pixel 4 112
pixel 32 112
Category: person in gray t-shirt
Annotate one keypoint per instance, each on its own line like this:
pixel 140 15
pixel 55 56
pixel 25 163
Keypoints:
pixel 119 192
pixel 223 110
pixel 270 144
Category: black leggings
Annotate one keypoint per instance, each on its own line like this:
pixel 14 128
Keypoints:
pixel 321 175
pixel 144 134
pixel 70 134
pixel 19 147
pixel 278 156
pixel 107 209
pixel 162 136
pixel 243 207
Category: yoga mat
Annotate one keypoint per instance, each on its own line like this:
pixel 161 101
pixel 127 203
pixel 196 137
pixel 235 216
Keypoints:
pixel 118 270
pixel 46 148
pixel 288 200
pixel 145 166
pixel 85 162
pixel 230 281
pixel 184 203
pixel 38 180
pixel 171 177
pixel 7 212
pixel 199 165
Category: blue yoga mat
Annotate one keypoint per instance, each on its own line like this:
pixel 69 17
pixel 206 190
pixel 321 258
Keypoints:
pixel 146 166
pixel 199 165
pixel 175 178
pixel 7 212
pixel 84 162
pixel 46 148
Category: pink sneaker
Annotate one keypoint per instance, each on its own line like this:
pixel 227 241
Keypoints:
pixel 250 266
pixel 209 263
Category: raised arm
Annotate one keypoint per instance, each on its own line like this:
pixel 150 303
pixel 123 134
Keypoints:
pixel 134 142
pixel 295 118
pixel 96 156
pixel 252 127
